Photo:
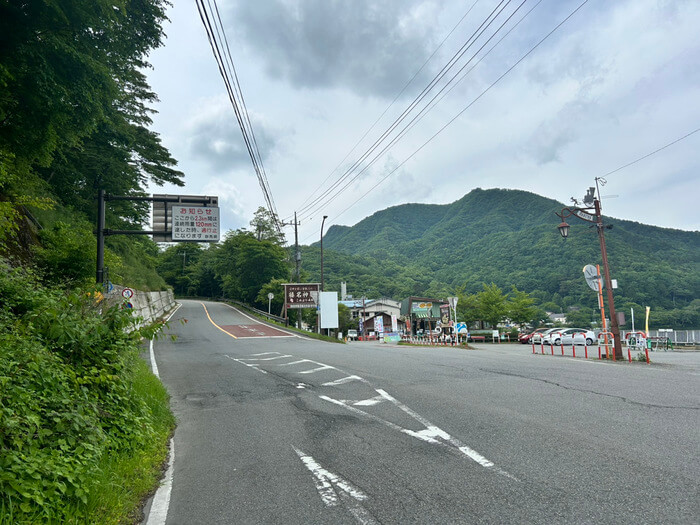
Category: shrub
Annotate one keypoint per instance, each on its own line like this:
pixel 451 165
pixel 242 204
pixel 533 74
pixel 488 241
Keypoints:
pixel 68 398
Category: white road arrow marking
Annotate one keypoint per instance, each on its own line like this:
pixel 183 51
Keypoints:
pixel 332 488
pixel 325 480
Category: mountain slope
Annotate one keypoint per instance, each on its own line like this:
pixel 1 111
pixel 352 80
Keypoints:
pixel 510 237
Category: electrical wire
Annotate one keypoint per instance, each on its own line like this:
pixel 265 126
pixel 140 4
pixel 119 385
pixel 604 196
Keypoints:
pixel 215 31
pixel 520 60
pixel 322 200
pixel 398 95
pixel 336 190
pixel 652 153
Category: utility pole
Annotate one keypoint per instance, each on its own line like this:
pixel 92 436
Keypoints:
pixel 184 258
pixel 297 253
pixel 614 328
pixel 597 219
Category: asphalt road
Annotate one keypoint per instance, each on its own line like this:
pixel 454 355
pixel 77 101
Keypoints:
pixel 279 429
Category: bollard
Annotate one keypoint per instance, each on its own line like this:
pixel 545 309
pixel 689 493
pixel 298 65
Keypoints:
pixel 533 347
pixel 647 352
pixel 600 356
pixel 573 348
pixel 629 355
pixel 585 349
pixel 562 348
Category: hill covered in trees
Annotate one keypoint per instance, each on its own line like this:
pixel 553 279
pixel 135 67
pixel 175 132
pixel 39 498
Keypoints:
pixel 509 237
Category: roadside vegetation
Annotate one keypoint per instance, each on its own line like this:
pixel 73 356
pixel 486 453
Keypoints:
pixel 83 422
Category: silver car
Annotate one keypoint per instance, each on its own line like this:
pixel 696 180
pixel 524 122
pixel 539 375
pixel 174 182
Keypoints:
pixel 541 337
pixel 570 336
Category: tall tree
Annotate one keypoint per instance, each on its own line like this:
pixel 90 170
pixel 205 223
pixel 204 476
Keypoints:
pixel 493 306
pixel 521 307
pixel 264 227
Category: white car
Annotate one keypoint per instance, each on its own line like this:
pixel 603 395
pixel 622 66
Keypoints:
pixel 541 337
pixel 570 336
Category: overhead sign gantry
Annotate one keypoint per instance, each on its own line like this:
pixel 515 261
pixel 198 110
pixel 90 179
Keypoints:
pixel 176 218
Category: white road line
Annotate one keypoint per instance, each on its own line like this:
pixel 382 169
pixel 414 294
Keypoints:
pixel 254 367
pixel 298 362
pixel 264 358
pixel 362 413
pixel 151 353
pixel 369 402
pixel 333 488
pixel 161 500
pixel 152 356
pixel 432 432
pixel 344 380
pixel 319 369
pixel 264 353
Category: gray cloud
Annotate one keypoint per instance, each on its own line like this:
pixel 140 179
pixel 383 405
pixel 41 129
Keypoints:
pixel 371 47
pixel 216 139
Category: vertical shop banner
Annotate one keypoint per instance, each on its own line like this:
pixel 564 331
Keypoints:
pixel 445 314
pixel 394 323
pixel 379 324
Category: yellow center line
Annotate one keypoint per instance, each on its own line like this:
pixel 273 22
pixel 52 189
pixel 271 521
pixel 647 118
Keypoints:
pixel 212 322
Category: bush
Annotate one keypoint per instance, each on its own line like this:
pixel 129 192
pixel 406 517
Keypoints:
pixel 68 399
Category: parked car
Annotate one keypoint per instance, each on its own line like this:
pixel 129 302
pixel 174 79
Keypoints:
pixel 526 338
pixel 570 336
pixel 540 337
pixel 352 334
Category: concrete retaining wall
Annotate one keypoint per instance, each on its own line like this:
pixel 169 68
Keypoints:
pixel 148 306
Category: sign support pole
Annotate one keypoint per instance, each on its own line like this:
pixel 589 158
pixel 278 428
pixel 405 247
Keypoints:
pixel 100 236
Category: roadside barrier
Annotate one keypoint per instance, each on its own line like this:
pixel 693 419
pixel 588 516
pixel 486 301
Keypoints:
pixel 602 344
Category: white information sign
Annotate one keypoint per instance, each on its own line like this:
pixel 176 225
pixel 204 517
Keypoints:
pixel 329 309
pixel 195 223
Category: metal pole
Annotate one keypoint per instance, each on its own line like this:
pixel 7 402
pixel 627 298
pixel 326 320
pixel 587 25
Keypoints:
pixel 322 223
pixel 100 236
pixel 615 329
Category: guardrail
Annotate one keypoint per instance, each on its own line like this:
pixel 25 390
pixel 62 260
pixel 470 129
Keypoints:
pixel 259 312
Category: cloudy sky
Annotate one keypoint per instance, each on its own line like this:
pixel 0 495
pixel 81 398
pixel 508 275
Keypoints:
pixel 615 82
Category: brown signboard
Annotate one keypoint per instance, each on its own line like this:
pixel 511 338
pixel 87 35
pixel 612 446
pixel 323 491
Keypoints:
pixel 298 295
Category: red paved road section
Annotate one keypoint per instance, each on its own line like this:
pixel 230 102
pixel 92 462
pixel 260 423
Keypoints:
pixel 253 330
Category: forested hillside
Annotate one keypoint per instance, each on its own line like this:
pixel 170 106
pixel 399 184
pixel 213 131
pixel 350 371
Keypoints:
pixel 84 424
pixel 509 237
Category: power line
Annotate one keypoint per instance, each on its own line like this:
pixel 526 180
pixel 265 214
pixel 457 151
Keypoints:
pixel 428 107
pixel 467 107
pixel 652 153
pixel 403 89
pixel 328 195
pixel 227 70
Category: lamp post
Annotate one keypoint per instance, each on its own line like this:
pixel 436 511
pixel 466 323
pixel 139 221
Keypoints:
pixel 322 223
pixel 597 219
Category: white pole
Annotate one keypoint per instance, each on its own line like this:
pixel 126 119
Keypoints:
pixel 632 309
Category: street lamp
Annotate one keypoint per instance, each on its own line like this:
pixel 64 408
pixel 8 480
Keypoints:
pixel 564 229
pixel 596 218
pixel 322 223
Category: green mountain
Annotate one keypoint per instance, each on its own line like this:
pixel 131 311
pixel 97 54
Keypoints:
pixel 508 237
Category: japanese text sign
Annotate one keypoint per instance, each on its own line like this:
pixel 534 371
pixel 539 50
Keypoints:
pixel 301 295
pixel 195 223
